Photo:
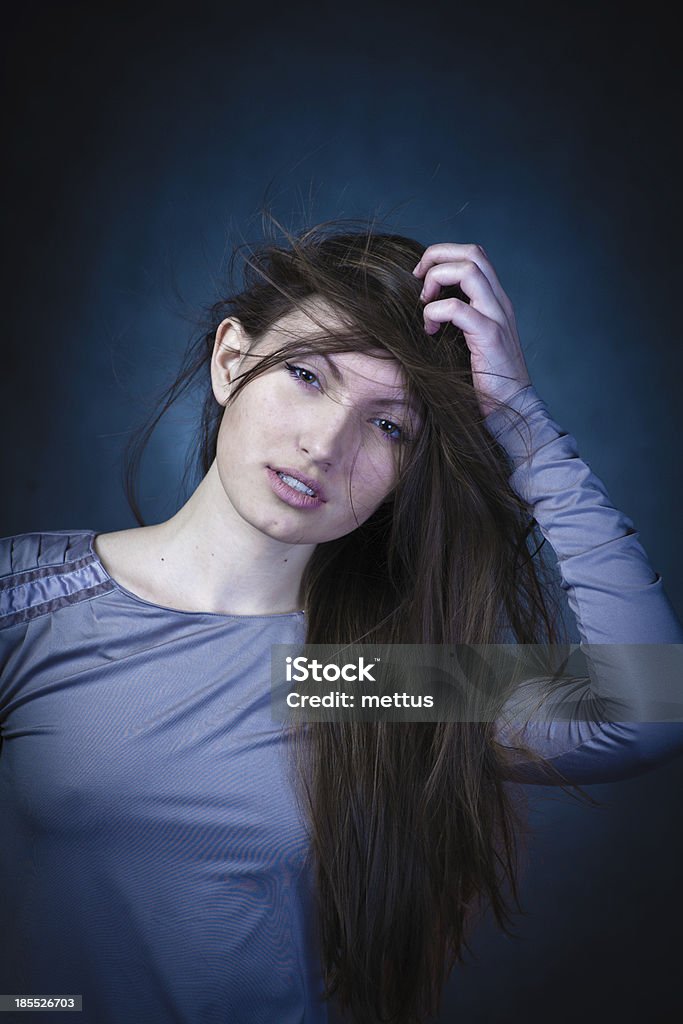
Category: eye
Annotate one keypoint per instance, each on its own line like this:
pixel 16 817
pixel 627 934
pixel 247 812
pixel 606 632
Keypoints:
pixel 390 430
pixel 394 432
pixel 301 374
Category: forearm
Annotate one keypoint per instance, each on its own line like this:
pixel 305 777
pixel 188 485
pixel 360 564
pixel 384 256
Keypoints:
pixel 614 593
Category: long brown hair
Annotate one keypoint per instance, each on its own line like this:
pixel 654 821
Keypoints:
pixel 413 832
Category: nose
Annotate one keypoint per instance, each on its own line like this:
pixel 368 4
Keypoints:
pixel 330 434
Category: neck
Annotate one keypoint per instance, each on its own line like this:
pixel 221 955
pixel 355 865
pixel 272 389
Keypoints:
pixel 218 562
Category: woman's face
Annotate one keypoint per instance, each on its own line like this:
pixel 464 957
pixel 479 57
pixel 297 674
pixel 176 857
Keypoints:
pixel 338 432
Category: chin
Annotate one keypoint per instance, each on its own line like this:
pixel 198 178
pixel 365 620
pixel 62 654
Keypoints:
pixel 287 533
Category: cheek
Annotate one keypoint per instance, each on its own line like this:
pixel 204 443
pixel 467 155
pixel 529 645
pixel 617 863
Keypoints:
pixel 248 418
pixel 234 446
pixel 376 469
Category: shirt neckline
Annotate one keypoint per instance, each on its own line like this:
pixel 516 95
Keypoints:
pixel 300 615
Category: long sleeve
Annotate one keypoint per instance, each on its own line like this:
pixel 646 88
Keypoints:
pixel 615 595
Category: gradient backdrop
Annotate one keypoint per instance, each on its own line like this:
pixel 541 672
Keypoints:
pixel 140 142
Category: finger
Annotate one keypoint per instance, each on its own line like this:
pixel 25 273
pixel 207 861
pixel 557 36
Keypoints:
pixel 442 251
pixel 476 325
pixel 473 282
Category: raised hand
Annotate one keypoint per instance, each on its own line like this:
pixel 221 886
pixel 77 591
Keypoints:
pixel 487 321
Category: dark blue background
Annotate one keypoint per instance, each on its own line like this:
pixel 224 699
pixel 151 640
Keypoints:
pixel 140 143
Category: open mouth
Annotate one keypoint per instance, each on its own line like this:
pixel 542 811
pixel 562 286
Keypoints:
pixel 298 485
pixel 299 481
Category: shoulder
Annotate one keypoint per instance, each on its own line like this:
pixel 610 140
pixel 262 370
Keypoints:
pixel 25 552
pixel 29 552
pixel 40 572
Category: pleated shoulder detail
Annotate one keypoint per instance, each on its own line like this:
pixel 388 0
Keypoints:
pixel 41 572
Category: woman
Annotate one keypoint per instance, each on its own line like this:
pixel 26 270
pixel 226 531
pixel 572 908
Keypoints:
pixel 376 465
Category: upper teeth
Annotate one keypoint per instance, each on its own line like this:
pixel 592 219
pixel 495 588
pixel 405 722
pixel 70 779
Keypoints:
pixel 297 484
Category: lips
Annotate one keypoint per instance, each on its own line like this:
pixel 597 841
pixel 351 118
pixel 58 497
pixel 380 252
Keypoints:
pixel 310 481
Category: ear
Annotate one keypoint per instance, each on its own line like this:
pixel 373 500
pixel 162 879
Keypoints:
pixel 229 348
